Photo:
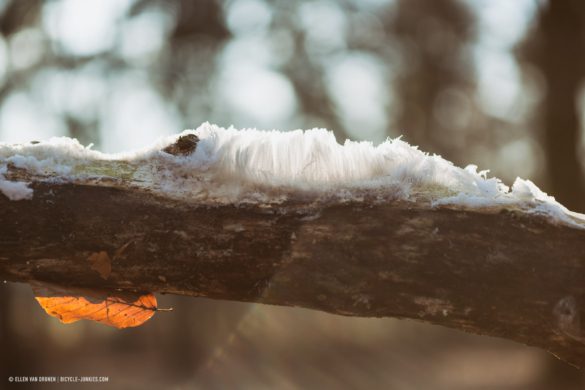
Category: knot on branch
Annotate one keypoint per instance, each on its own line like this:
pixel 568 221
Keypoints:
pixel 568 319
pixel 184 146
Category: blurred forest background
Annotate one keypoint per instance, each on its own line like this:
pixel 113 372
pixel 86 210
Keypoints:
pixel 497 83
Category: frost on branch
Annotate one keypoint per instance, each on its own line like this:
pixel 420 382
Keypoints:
pixel 14 190
pixel 212 165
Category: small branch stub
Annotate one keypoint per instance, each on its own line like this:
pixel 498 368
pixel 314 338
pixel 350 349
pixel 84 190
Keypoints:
pixel 184 146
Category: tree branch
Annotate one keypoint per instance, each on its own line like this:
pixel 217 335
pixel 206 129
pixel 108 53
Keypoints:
pixel 498 272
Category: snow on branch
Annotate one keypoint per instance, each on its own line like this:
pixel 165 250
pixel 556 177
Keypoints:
pixel 297 219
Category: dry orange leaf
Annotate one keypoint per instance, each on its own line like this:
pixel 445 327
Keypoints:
pixel 118 309
pixel 101 263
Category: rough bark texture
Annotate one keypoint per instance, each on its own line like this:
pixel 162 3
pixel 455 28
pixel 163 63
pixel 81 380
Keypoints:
pixel 500 274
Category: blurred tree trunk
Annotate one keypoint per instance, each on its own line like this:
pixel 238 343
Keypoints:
pixel 555 48
pixel 558 53
pixel 435 75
